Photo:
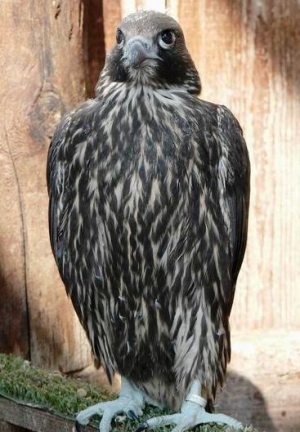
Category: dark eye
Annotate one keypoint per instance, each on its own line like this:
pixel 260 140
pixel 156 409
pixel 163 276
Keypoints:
pixel 120 38
pixel 167 39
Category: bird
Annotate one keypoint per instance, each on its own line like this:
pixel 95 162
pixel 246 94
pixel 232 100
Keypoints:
pixel 149 190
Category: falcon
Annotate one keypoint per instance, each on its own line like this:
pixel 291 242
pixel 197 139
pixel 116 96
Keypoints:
pixel 149 196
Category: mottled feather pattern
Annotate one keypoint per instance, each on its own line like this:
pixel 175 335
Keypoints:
pixel 148 218
pixel 143 217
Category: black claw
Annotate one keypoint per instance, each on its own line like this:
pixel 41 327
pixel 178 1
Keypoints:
pixel 131 415
pixel 141 427
pixel 77 426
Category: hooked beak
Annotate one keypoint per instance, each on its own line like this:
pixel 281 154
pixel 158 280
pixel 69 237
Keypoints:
pixel 137 50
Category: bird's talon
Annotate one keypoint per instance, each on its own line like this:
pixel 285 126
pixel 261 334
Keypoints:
pixel 142 426
pixel 77 426
pixel 131 415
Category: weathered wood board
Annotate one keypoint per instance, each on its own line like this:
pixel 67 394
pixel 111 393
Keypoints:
pixel 22 418
pixel 42 75
pixel 8 427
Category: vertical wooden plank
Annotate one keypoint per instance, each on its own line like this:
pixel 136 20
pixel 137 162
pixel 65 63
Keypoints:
pixel 57 339
pixel 94 43
pixel 112 15
pixel 248 55
pixel 14 335
pixel 130 6
pixel 42 75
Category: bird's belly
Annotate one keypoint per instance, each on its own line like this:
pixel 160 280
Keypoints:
pixel 140 240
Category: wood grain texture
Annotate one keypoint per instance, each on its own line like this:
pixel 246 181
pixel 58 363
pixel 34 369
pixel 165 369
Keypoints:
pixel 32 419
pixel 8 427
pixel 94 43
pixel 112 15
pixel 41 76
pixel 130 6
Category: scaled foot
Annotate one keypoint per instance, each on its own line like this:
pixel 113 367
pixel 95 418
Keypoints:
pixel 192 414
pixel 130 402
pixel 189 417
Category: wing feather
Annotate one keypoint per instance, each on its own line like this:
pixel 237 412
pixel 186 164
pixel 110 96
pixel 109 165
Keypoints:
pixel 57 182
pixel 234 182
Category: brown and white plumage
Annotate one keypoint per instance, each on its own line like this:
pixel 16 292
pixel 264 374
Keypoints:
pixel 149 195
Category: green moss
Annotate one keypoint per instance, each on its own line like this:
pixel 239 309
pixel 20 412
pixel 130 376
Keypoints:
pixel 51 391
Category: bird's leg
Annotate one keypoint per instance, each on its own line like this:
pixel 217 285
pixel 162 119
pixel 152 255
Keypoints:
pixel 192 413
pixel 131 401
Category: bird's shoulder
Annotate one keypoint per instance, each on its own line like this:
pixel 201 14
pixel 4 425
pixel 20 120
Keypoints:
pixel 74 127
pixel 79 120
pixel 226 134
pixel 234 153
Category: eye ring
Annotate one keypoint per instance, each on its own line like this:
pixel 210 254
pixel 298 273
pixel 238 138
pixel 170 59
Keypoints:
pixel 120 38
pixel 167 39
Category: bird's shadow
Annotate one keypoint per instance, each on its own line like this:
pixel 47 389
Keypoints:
pixel 244 401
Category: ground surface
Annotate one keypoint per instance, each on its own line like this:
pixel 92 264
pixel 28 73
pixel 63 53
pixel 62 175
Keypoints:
pixel 41 390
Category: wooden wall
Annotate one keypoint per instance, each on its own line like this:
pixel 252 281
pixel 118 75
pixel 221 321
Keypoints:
pixel 42 75
pixel 248 55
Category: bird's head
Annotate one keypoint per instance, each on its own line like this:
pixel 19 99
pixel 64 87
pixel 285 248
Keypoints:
pixel 150 50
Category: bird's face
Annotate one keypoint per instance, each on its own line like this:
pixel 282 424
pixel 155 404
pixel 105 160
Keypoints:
pixel 150 50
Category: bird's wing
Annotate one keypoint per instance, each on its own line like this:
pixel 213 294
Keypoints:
pixel 234 183
pixel 57 181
